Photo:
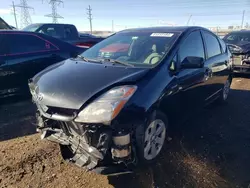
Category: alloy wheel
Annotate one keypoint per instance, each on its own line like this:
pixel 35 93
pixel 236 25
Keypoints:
pixel 154 139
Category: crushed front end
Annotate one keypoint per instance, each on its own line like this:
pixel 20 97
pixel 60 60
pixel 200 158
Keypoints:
pixel 95 147
pixel 87 132
pixel 241 58
pixel 241 63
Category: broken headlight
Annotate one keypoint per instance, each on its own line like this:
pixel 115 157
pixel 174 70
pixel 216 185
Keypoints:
pixel 107 106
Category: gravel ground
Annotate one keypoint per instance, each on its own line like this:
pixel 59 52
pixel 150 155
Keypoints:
pixel 210 151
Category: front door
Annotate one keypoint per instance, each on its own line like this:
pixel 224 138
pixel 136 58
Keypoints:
pixel 191 82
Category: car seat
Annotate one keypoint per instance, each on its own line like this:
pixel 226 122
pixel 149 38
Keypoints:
pixel 153 57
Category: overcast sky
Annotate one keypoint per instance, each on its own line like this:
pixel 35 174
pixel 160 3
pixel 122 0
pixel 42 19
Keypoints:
pixel 136 13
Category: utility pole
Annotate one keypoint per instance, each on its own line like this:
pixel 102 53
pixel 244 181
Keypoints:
pixel 89 10
pixel 14 11
pixel 189 18
pixel 54 15
pixel 112 26
pixel 243 17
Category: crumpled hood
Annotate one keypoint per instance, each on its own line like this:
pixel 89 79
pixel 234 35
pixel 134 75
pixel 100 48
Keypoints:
pixel 69 84
pixel 244 45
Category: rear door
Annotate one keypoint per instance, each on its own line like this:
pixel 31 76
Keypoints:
pixel 28 55
pixel 191 82
pixel 216 63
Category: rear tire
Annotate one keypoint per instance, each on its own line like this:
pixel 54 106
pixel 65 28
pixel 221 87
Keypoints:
pixel 151 138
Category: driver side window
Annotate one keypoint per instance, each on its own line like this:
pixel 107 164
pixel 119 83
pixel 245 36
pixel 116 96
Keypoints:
pixel 192 46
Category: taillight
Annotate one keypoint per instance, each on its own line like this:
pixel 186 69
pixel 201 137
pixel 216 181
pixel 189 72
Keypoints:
pixel 84 45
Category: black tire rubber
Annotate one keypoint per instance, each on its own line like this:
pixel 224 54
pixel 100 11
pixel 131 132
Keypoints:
pixel 140 136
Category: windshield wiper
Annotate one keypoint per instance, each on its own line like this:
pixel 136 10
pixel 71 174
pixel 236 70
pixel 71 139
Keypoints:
pixel 118 62
pixel 89 60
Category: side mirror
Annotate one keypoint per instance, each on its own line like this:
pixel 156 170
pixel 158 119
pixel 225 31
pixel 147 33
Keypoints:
pixel 192 62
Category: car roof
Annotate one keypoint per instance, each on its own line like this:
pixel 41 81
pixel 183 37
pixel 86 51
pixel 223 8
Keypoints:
pixel 164 29
pixel 34 24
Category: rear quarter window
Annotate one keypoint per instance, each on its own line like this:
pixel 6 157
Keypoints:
pixel 69 32
pixel 223 45
pixel 52 30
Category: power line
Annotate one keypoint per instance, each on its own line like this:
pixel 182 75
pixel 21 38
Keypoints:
pixel 25 15
pixel 54 15
pixel 89 10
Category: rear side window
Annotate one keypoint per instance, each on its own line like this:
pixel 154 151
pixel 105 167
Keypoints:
pixel 69 32
pixel 223 45
pixel 53 31
pixel 212 44
pixel 192 46
pixel 22 43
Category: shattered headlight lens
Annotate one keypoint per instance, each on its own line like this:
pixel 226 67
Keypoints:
pixel 107 106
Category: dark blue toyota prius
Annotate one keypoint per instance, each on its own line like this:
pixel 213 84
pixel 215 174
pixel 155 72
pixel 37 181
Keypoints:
pixel 111 108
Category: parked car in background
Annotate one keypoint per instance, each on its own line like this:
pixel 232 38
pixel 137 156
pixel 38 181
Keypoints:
pixel 4 25
pixel 24 54
pixel 111 114
pixel 239 44
pixel 65 32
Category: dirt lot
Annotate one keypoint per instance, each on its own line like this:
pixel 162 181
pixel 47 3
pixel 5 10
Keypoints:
pixel 210 151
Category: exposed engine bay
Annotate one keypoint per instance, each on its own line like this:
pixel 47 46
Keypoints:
pixel 91 146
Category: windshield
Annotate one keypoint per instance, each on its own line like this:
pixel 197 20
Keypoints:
pixel 32 27
pixel 238 37
pixel 136 48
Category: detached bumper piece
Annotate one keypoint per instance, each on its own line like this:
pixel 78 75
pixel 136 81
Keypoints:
pixel 90 146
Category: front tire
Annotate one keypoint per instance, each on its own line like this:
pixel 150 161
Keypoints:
pixel 152 138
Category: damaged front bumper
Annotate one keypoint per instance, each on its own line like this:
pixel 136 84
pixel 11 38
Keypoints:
pixel 94 147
